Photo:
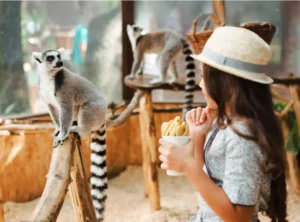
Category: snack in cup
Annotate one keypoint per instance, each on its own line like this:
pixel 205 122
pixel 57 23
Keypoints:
pixel 177 132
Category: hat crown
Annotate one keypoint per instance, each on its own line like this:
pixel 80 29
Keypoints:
pixel 240 44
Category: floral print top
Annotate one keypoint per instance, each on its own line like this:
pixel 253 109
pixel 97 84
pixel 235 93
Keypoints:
pixel 236 165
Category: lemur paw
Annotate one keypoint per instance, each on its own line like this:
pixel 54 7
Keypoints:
pixel 58 140
pixel 172 81
pixel 156 81
pixel 56 132
pixel 131 77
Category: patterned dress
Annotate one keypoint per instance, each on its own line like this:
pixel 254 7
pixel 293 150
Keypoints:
pixel 236 165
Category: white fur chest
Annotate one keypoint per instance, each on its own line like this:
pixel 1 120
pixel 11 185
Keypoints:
pixel 47 91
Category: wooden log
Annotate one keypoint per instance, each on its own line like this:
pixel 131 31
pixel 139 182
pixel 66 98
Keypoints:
pixel 295 93
pixel 80 191
pixel 127 8
pixel 149 150
pixel 27 127
pixel 145 157
pixel 219 10
pixel 287 81
pixel 295 174
pixel 58 179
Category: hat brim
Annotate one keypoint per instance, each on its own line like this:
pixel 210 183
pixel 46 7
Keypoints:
pixel 256 77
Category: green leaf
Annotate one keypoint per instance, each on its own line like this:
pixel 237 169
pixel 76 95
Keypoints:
pixel 293 142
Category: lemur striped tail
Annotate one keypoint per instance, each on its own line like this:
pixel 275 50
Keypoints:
pixel 99 171
pixel 190 79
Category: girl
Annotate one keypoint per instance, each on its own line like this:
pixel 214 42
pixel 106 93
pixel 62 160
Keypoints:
pixel 238 169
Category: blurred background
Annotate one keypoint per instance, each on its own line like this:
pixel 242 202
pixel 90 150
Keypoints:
pixel 91 33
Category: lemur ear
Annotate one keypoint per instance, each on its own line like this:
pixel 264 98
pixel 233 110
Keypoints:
pixel 37 56
pixel 61 50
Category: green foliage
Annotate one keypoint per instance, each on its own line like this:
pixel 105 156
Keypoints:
pixel 293 142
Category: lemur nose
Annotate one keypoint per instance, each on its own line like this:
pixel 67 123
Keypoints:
pixel 59 64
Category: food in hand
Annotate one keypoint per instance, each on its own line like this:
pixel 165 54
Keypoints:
pixel 175 127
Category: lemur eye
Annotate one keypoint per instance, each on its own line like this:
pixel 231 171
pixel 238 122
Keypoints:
pixel 58 56
pixel 50 58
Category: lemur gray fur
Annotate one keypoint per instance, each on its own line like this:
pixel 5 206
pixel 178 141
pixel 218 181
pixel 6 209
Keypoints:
pixel 75 105
pixel 168 45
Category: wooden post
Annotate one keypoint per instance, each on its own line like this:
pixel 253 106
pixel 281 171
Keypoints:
pixel 295 173
pixel 219 10
pixel 145 157
pixel 58 180
pixel 149 150
pixel 127 54
pixel 80 190
pixel 295 93
pixel 292 165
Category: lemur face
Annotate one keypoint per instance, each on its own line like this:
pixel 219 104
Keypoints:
pixel 134 31
pixel 50 60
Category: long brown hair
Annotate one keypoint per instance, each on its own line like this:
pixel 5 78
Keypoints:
pixel 252 102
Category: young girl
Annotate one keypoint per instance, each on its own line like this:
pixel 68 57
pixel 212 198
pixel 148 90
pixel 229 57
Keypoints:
pixel 238 168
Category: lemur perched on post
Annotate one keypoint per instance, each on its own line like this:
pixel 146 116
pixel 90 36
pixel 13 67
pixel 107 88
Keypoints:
pixel 75 105
pixel 168 45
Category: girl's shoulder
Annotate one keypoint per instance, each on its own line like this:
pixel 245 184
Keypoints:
pixel 239 138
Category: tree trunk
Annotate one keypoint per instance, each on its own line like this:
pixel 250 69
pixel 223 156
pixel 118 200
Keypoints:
pixel 286 34
pixel 13 87
pixel 104 52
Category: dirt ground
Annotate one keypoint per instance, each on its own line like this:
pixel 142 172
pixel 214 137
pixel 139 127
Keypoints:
pixel 126 201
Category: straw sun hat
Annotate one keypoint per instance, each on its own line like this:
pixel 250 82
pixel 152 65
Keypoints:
pixel 237 51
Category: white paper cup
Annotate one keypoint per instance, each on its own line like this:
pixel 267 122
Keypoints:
pixel 180 141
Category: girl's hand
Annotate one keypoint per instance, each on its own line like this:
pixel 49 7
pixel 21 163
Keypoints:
pixel 199 121
pixel 175 157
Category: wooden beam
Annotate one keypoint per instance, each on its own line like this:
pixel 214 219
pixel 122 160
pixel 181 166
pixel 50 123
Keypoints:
pixel 219 10
pixel 295 173
pixel 287 81
pixel 80 191
pixel 58 180
pixel 295 93
pixel 127 56
pixel 149 151
pixel 287 22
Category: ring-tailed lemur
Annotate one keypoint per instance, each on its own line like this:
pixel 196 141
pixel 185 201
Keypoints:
pixel 75 105
pixel 168 45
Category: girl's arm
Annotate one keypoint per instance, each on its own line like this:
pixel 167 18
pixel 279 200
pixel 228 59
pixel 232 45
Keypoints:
pixel 215 196
pixel 198 144
pixel 243 174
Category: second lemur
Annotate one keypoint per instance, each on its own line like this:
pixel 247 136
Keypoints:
pixel 75 105
pixel 168 45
